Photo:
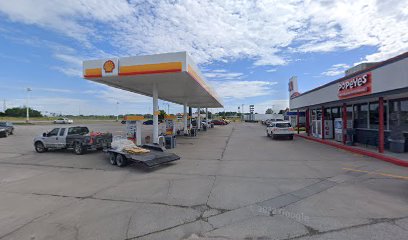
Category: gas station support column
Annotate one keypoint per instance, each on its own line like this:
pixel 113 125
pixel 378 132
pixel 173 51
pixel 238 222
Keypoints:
pixel 206 116
pixel 155 114
pixel 185 119
pixel 199 118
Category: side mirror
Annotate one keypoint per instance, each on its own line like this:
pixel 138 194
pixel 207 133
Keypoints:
pixel 44 134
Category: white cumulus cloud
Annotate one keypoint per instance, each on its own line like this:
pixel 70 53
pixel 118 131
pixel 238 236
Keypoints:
pixel 243 89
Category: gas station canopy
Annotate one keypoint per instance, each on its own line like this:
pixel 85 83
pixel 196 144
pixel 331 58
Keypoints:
pixel 174 75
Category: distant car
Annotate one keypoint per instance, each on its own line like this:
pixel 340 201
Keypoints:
pixel 218 122
pixel 280 129
pixel 63 121
pixel 6 128
pixel 150 122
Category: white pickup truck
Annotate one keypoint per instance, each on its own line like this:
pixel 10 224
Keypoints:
pixel 280 129
pixel 77 138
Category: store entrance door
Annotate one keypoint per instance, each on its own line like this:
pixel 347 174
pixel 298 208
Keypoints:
pixel 317 128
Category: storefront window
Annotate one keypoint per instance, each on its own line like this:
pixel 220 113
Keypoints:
pixel 360 116
pixel 399 115
pixel 374 119
pixel 349 112
pixel 336 113
pixel 318 114
pixel 327 114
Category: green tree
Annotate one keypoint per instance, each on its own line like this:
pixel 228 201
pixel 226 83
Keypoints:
pixel 162 114
pixel 21 112
pixel 269 111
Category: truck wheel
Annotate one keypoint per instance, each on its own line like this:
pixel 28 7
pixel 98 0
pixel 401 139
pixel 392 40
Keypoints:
pixel 112 158
pixel 39 147
pixel 78 149
pixel 121 160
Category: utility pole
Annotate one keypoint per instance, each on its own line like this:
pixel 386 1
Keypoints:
pixel 28 95
pixel 117 111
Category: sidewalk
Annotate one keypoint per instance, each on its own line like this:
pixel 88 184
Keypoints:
pixel 400 159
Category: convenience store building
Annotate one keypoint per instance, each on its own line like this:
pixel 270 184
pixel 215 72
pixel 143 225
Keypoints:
pixel 369 106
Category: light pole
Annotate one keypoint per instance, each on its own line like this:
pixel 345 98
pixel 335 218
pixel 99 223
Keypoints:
pixel 28 95
pixel 168 108
pixel 117 111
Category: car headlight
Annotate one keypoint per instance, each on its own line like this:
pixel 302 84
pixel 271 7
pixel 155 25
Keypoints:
pixel 2 129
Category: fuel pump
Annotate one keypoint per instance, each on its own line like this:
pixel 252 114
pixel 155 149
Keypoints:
pixel 134 129
pixel 170 131
pixel 170 125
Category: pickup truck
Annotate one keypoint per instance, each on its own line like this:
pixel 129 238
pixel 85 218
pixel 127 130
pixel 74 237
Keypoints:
pixel 77 138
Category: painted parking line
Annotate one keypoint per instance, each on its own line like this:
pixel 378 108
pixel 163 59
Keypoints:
pixel 377 173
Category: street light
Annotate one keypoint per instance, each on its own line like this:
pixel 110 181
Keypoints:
pixel 117 111
pixel 28 95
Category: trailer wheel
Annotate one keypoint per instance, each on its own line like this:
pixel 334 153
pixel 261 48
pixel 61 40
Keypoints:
pixel 121 160
pixel 78 149
pixel 112 158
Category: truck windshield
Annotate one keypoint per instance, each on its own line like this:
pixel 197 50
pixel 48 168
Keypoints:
pixel 78 130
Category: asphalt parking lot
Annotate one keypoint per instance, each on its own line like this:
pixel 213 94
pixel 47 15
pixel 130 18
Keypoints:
pixel 232 182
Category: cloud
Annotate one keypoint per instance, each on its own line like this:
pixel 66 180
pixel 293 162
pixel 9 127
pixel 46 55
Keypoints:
pixel 276 105
pixel 114 95
pixel 336 69
pixel 243 89
pixel 266 32
pixel 222 74
pixel 271 70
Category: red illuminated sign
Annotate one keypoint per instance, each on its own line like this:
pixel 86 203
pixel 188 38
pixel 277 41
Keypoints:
pixel 355 87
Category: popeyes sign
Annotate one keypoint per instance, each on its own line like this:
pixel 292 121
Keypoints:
pixel 355 87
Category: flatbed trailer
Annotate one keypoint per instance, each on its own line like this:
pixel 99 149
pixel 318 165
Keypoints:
pixel 157 156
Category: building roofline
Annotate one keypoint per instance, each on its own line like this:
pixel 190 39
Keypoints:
pixel 378 65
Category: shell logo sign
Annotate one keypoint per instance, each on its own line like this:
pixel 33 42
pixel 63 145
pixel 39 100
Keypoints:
pixel 108 66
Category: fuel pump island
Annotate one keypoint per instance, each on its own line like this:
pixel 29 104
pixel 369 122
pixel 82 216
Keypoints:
pixel 172 77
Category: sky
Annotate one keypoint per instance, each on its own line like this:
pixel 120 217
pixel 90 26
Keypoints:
pixel 247 50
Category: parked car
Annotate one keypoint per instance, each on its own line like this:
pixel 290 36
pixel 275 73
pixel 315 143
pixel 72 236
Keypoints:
pixel 218 122
pixel 6 128
pixel 280 129
pixel 63 121
pixel 77 138
pixel 150 122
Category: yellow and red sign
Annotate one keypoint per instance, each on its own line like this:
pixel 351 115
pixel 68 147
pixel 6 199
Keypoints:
pixel 108 66
pixel 355 87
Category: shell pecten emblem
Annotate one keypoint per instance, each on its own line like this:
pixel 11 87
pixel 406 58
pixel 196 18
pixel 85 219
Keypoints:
pixel 108 66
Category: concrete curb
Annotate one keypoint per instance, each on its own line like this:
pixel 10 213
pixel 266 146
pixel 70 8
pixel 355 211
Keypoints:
pixel 379 156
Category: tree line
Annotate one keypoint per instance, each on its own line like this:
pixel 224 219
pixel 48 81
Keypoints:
pixel 20 112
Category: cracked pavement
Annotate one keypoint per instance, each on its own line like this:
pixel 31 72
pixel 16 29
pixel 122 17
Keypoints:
pixel 232 182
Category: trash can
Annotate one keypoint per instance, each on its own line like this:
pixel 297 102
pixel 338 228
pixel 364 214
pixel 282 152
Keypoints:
pixel 397 145
pixel 350 136
pixel 170 141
